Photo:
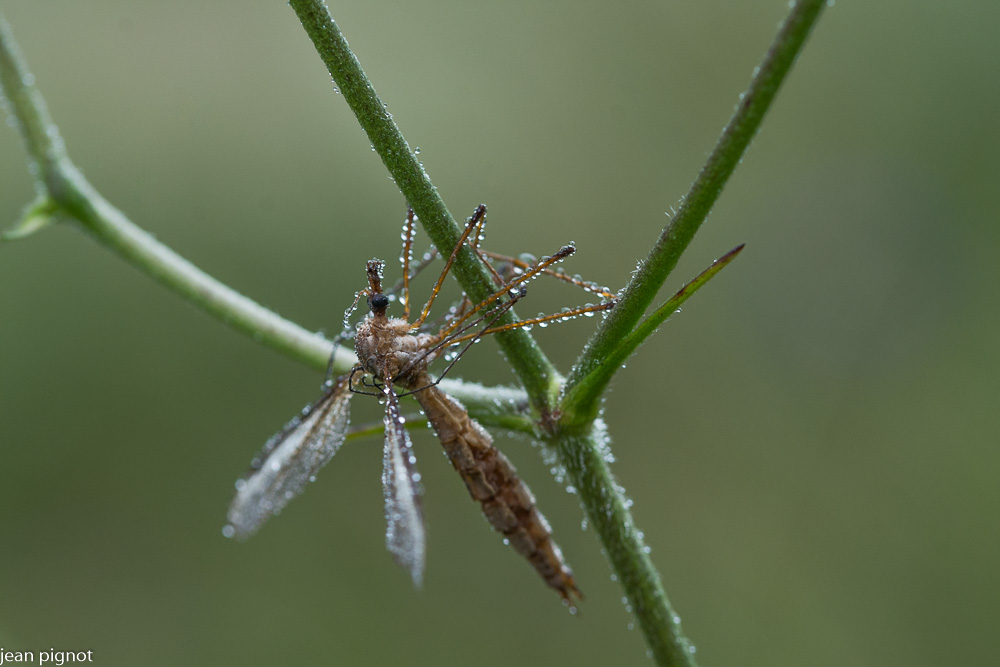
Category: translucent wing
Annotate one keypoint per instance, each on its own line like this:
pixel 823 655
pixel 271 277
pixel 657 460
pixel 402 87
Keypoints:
pixel 289 460
pixel 405 535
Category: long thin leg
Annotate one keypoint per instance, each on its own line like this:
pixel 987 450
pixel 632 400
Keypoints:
pixel 406 257
pixel 415 270
pixel 364 382
pixel 350 311
pixel 543 320
pixel 448 317
pixel 544 263
pixel 497 278
pixel 469 226
pixel 477 239
pixel 342 336
pixel 583 284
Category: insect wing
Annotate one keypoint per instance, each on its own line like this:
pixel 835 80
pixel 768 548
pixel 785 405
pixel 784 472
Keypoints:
pixel 405 534
pixel 289 460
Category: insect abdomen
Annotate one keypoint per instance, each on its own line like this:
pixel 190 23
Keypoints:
pixel 492 480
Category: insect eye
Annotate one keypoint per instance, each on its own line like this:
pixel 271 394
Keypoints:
pixel 378 302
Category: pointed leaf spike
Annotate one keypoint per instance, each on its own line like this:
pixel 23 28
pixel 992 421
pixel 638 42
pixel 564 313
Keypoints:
pixel 658 316
pixel 581 401
pixel 40 214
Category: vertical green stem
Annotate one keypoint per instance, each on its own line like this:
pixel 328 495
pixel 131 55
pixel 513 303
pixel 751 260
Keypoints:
pixel 585 459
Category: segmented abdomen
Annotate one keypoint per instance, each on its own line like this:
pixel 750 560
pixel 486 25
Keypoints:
pixel 492 480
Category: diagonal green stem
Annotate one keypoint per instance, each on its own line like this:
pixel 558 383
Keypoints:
pixel 676 236
pixel 536 372
pixel 46 152
pixel 66 189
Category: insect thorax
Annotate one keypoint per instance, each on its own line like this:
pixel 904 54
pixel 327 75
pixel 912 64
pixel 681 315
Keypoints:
pixel 386 348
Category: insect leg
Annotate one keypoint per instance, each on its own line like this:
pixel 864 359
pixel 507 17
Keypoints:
pixel 477 216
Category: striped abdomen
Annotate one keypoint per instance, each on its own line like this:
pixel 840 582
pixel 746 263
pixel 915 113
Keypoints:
pixel 492 480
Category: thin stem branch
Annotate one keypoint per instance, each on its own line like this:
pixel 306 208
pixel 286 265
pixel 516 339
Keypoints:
pixel 677 235
pixel 26 105
pixel 67 188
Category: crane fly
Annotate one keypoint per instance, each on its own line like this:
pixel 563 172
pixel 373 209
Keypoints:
pixel 395 354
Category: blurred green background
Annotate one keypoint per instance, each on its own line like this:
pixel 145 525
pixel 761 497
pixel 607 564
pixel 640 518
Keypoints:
pixel 828 491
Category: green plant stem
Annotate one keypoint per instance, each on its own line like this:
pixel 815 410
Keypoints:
pixel 585 458
pixel 677 235
pixel 26 106
pixel 68 190
pixel 536 372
